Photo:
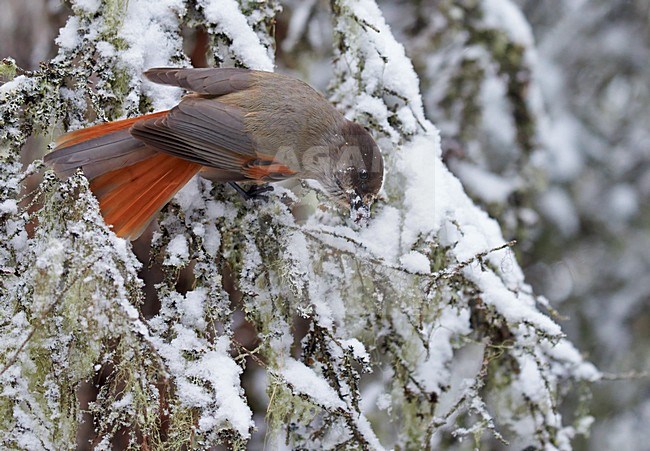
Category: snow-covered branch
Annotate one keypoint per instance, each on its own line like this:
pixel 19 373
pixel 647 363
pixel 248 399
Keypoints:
pixel 411 332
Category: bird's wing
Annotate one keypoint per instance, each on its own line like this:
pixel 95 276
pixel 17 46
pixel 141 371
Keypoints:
pixel 204 81
pixel 213 134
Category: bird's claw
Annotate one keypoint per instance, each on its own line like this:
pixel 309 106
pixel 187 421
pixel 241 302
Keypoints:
pixel 254 192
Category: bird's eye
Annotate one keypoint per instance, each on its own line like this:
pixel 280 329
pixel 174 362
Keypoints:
pixel 363 174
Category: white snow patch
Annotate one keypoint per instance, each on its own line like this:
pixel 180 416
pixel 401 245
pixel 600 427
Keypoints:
pixel 439 199
pixel 358 349
pixel 125 401
pixel 384 401
pixel 381 237
pixel 432 370
pixel 177 251
pixel 9 206
pixel 223 373
pixel 192 308
pixel 416 262
pixel 530 380
pixel 566 352
pixel 386 66
pixel 13 85
pixel 513 307
pixel 211 382
pixel 505 15
pixel 69 37
pixel 211 239
pixel 88 6
pixel 105 49
pixel 229 20
pixel 151 30
pixel 306 382
pixel 425 193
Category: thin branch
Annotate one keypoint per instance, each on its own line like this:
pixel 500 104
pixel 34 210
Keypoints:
pixel 446 273
pixel 630 375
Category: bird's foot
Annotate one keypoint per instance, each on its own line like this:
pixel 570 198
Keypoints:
pixel 254 192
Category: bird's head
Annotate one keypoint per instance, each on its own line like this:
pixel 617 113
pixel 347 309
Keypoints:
pixel 357 171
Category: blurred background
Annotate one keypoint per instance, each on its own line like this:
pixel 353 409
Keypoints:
pixel 544 110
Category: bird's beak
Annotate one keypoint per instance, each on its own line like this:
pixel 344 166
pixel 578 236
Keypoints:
pixel 359 210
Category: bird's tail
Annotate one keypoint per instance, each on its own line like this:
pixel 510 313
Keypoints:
pixel 131 180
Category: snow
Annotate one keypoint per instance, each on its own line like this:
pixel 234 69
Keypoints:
pixel 189 197
pixel 509 304
pixel 385 68
pixel 381 237
pixel 8 206
pixel 11 87
pixel 123 402
pixel 218 368
pixel 384 402
pixel 177 251
pixel 69 37
pixel 150 30
pixel 364 426
pixel 210 382
pixel 436 207
pixel 397 73
pixel 106 49
pixel 425 192
pixel 193 308
pixel 87 6
pixel 358 349
pixel 298 253
pixel 211 239
pixel 336 276
pixel 324 302
pixel 133 314
pixel 505 15
pixel 51 256
pixel 531 383
pixel 305 381
pixel 432 370
pixel 416 263
pixel 229 20
pixel 565 351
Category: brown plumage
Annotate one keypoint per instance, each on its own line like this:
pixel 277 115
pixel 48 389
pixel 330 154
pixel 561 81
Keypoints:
pixel 237 125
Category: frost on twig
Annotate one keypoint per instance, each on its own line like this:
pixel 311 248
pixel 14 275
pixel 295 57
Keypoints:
pixel 359 332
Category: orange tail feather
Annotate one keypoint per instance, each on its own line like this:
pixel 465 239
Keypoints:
pixel 85 134
pixel 130 197
pixel 131 181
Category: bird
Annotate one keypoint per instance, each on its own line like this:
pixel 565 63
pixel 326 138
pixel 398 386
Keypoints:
pixel 234 126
